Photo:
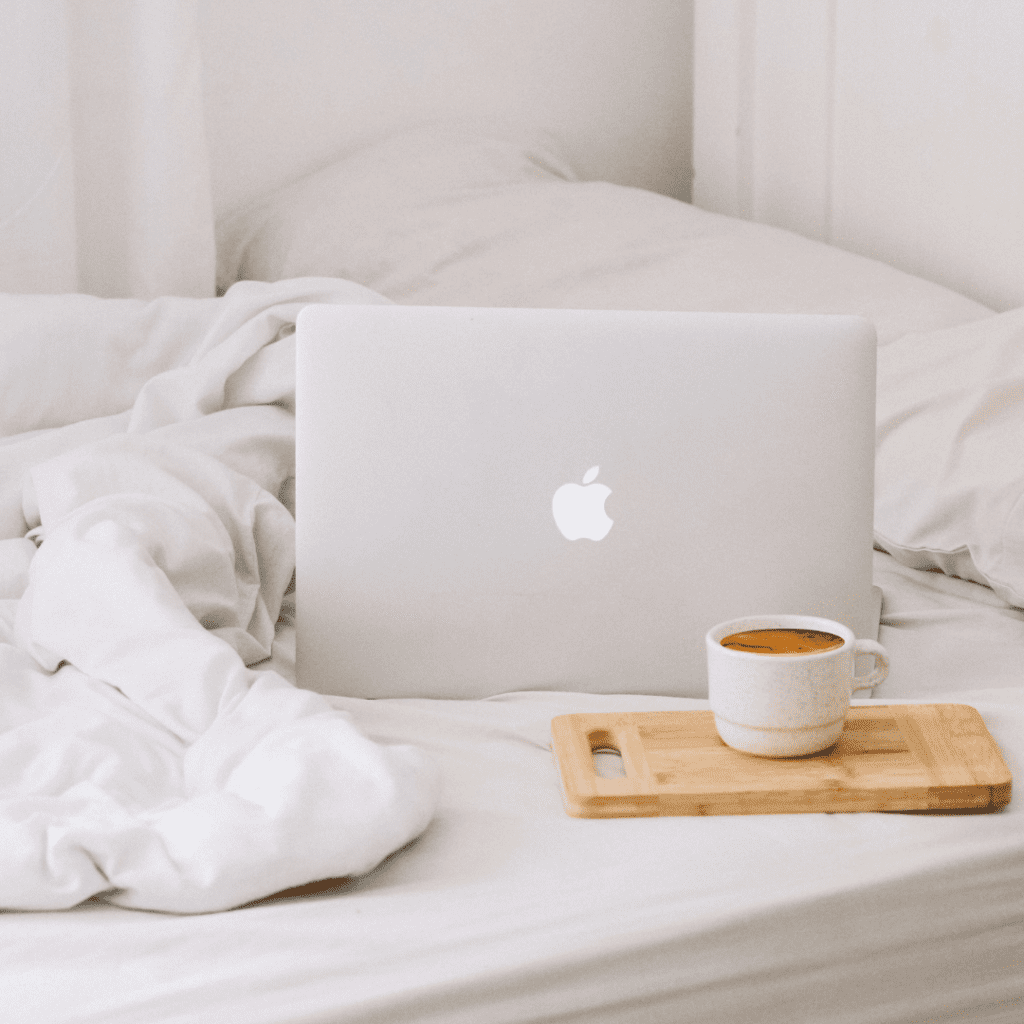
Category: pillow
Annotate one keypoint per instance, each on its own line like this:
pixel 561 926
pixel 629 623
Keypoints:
pixel 68 358
pixel 455 217
pixel 359 211
pixel 949 472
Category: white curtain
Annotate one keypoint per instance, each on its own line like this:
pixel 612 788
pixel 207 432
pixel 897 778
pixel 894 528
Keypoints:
pixel 104 172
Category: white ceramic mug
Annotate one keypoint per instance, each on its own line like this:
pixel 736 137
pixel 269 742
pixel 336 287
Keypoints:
pixel 785 705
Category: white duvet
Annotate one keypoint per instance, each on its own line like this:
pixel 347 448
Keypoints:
pixel 144 752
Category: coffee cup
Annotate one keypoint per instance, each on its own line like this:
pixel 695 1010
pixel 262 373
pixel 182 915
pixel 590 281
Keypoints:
pixel 782 685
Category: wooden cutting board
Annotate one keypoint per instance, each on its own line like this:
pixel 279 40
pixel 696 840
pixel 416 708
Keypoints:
pixel 890 757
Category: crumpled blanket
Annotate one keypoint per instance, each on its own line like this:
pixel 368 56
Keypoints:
pixel 148 750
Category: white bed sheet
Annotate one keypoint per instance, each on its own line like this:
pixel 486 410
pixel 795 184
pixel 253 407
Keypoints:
pixel 509 910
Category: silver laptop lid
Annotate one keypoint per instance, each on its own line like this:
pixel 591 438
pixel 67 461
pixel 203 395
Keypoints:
pixel 441 453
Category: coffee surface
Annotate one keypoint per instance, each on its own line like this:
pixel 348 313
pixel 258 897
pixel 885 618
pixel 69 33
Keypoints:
pixel 782 641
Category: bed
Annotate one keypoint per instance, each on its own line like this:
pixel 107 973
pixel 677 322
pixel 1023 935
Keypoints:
pixel 188 836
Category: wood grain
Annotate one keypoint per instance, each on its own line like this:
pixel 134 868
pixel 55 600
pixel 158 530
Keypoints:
pixel 890 757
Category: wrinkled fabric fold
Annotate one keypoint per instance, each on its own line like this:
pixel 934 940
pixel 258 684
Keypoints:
pixel 147 751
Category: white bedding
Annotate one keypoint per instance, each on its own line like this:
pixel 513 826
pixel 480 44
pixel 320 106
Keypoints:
pixel 140 756
pixel 165 501
pixel 508 910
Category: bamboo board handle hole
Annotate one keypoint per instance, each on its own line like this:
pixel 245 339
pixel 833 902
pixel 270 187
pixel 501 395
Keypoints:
pixel 607 757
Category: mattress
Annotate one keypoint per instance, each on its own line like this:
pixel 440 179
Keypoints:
pixel 469 895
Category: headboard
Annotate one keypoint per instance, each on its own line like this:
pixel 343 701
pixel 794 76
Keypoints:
pixel 893 129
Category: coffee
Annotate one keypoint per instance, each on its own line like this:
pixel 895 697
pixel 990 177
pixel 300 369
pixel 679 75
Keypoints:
pixel 782 641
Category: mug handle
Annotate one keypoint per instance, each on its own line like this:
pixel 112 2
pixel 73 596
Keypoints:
pixel 878 673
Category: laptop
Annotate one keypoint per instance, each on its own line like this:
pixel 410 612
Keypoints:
pixel 496 500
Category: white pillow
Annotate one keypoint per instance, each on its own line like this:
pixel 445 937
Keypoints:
pixel 453 217
pixel 949 475
pixel 358 215
pixel 68 358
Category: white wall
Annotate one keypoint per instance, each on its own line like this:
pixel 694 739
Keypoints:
pixel 291 83
pixel 893 128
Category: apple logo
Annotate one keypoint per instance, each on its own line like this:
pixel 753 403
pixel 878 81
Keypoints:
pixel 579 510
